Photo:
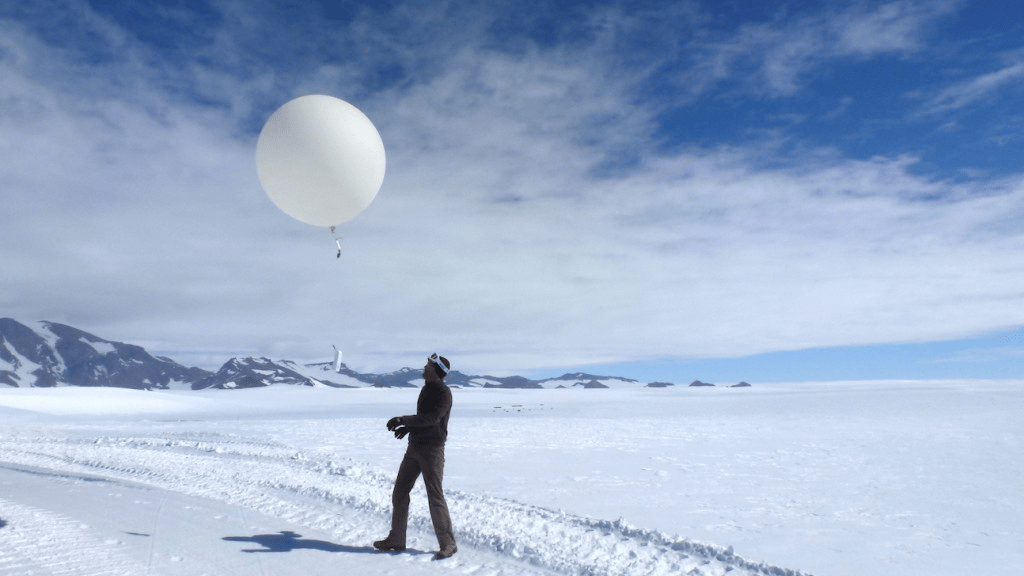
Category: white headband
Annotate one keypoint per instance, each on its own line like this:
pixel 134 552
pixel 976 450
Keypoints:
pixel 437 362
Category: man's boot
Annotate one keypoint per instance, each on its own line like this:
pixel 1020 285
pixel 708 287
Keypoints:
pixel 389 544
pixel 446 551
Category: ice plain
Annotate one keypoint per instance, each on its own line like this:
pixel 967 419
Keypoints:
pixel 825 478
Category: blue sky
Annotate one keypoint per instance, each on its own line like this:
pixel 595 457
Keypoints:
pixel 665 190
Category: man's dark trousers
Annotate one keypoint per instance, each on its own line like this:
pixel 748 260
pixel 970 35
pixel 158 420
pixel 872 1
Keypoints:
pixel 427 460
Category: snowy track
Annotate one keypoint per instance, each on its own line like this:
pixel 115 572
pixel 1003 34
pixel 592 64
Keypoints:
pixel 37 542
pixel 344 499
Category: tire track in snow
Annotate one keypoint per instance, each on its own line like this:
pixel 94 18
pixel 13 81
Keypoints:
pixel 35 542
pixel 291 485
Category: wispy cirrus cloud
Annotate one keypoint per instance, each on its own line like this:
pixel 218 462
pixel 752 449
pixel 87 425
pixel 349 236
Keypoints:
pixel 778 57
pixel 977 88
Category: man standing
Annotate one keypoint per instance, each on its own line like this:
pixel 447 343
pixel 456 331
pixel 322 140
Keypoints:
pixel 428 431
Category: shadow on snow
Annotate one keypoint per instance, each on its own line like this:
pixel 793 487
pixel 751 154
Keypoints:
pixel 287 541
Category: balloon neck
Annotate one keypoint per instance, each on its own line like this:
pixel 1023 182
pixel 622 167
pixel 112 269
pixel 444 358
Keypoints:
pixel 337 242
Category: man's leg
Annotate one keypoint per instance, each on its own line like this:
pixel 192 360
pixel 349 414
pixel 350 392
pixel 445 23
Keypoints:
pixel 433 474
pixel 408 471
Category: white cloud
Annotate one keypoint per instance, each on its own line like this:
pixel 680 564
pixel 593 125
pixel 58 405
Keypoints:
pixel 777 57
pixel 978 88
pixel 895 27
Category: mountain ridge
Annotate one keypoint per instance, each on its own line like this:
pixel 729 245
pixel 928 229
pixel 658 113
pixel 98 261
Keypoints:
pixel 51 354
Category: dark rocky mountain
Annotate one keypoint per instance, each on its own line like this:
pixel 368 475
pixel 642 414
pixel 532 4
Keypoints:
pixel 404 378
pixel 50 354
pixel 582 379
pixel 324 372
pixel 506 382
pixel 260 372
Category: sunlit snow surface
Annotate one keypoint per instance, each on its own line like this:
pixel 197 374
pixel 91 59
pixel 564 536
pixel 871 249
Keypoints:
pixel 821 478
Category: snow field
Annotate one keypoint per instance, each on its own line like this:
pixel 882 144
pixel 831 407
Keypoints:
pixel 834 479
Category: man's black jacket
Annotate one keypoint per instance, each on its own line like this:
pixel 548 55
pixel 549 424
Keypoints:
pixel 429 426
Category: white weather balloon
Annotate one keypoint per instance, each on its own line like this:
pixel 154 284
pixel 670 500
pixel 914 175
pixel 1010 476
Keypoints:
pixel 320 160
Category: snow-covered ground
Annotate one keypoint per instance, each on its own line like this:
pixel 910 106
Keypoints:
pixel 832 479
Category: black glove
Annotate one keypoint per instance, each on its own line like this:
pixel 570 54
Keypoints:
pixel 401 432
pixel 394 423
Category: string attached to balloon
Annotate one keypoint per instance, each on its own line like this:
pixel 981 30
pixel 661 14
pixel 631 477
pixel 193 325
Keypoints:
pixel 336 241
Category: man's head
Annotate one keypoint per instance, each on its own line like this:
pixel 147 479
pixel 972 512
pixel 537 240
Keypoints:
pixel 436 368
